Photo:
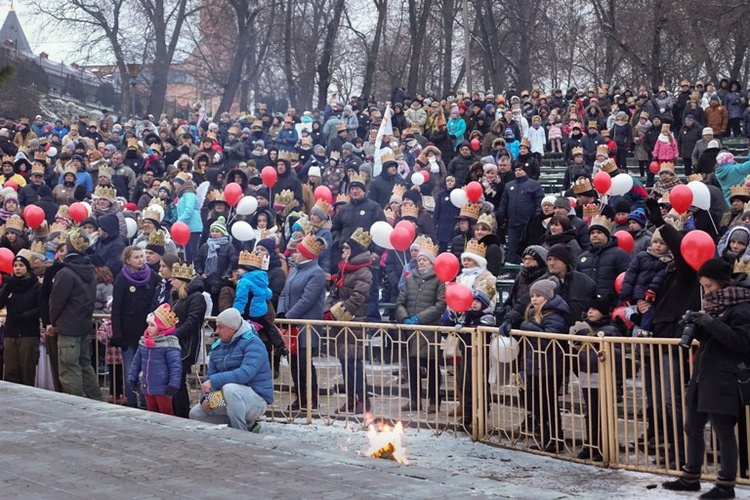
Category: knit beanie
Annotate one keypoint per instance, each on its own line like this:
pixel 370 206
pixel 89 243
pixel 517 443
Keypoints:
pixel 544 287
pixel 602 304
pixel 716 269
pixel 622 206
pixel 219 225
pixel 656 236
pixel 316 210
pixel 426 252
pixel 639 216
pixel 562 202
pixel 740 236
pixel 549 199
pixel 230 318
pixel 538 252
pixel 560 252
pixel 725 157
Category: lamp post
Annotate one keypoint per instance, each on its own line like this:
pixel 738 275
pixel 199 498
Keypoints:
pixel 133 73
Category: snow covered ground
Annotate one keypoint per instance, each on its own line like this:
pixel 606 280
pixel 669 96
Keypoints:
pixel 458 455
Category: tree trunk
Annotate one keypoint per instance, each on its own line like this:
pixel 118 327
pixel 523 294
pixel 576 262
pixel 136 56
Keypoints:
pixel 324 66
pixel 372 56
pixel 290 83
pixel 418 27
pixel 448 18
pixel 656 70
pixel 245 19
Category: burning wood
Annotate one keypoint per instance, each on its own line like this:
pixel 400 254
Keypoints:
pixel 385 443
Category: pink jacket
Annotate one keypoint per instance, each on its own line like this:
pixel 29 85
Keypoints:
pixel 666 151
pixel 555 131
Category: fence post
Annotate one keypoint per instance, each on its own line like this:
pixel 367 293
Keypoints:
pixel 308 370
pixel 478 419
pixel 608 402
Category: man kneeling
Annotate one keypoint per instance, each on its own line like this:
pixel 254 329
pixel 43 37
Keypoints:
pixel 239 367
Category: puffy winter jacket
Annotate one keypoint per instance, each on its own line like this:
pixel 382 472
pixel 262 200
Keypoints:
pixel 553 321
pixel 423 296
pixel 355 291
pixel 303 296
pixel 253 286
pixel 603 265
pixel 190 312
pixel 459 166
pixel 21 298
pixel 73 297
pixel 521 200
pixel 645 272
pixel 161 365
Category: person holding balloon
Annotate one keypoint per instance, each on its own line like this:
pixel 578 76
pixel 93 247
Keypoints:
pixel 188 213
pixel 216 258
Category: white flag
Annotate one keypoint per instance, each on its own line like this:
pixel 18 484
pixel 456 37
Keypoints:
pixel 386 128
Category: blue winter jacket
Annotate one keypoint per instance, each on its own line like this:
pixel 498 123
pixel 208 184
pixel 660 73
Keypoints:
pixel 253 284
pixel 161 365
pixel 189 212
pixel 551 358
pixel 646 272
pixel 303 296
pixel 521 200
pixel 244 361
pixel 731 174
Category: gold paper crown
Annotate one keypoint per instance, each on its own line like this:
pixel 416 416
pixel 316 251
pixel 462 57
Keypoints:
pixel 305 224
pixel 183 271
pixel 470 210
pixel 106 170
pixel 78 240
pixel 576 151
pixel 315 245
pixel 70 169
pixel 342 198
pixel 9 159
pixel 341 127
pixel 26 254
pixel 357 178
pixel 36 168
pixel 739 190
pixel 15 222
pixel 334 155
pixel 694 177
pixel 258 123
pixel 582 185
pixel 429 247
pixel 410 210
pixel 600 220
pixel 487 219
pixel 166 316
pixel 215 195
pixel 284 198
pixel 42 229
pixel 234 130
pixel 609 166
pixel 253 259
pixel 291 156
pixel 362 237
pixel 58 226
pixel 323 206
pixel 156 238
pixel 591 210
pixel 486 287
pixel 664 198
pixel 602 148
pixel 25 120
pixel 40 156
pixel 132 143
pixel 389 156
pixel 39 247
pixel 421 240
pixel 63 212
pixel 667 165
pixel 473 246
pixel 157 201
pixel 398 190
pixel 106 192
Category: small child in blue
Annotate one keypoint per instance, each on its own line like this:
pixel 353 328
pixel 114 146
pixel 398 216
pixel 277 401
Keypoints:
pixel 159 357
pixel 645 276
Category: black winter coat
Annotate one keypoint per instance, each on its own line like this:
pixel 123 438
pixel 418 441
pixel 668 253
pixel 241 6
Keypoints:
pixel 459 168
pixel 288 180
pixel 190 313
pixel 21 298
pixel 381 187
pixel 227 258
pixel 73 297
pixel 529 164
pixel 444 216
pixel 603 265
pixel 130 306
pixel 357 213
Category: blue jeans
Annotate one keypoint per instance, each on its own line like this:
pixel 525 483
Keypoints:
pixel 128 353
pixel 512 255
pixel 191 249
pixel 244 407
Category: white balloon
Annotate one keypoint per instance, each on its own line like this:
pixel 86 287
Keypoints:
pixel 247 205
pixel 51 152
pixel 621 184
pixel 701 195
pixel 381 234
pixel 417 178
pixel 132 226
pixel 504 349
pixel 458 198
pixel 202 191
pixel 88 207
pixel 243 231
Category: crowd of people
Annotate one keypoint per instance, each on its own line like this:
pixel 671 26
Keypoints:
pixel 90 212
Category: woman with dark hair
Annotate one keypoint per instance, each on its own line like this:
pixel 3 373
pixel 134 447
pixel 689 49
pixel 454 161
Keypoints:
pixel 164 288
pixel 189 305
pixel 559 230
pixel 132 296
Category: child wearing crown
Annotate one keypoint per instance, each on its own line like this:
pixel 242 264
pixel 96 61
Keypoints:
pixel 159 358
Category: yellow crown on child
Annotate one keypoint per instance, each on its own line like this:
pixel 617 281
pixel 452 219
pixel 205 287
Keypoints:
pixel 470 210
pixel 410 210
pixel 183 271
pixel 156 238
pixel 362 237
pixel 582 185
pixel 488 220
pixel 15 222
pixel 428 246
pixel 253 259
pixel 576 151
pixel 284 198
pixel 323 206
pixel 165 314
pixel 609 166
pixel 39 247
pixel 473 246
pixel 485 286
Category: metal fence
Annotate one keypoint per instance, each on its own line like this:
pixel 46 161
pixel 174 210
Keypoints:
pixel 615 401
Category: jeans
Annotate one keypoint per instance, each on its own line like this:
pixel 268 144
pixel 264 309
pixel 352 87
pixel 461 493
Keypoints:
pixel 77 376
pixel 128 353
pixel 191 249
pixel 514 238
pixel 244 407
pixel 21 355
pixel 723 426
pixel 298 366
pixel 354 377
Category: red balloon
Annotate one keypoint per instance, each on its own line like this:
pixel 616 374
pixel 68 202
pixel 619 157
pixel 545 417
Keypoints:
pixel 425 174
pixel 697 247
pixel 405 224
pixel 474 191
pixel 6 260
pixel 458 297
pixel 655 167
pixel 180 233
pixel 681 197
pixel 618 282
pixel 233 193
pixel 475 144
pixel 401 239
pixel 269 176
pixel 34 216
pixel 323 193
pixel 619 312
pixel 78 212
pixel 602 182
pixel 625 240
pixel 11 184
pixel 446 266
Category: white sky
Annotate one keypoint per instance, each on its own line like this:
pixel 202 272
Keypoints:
pixel 60 47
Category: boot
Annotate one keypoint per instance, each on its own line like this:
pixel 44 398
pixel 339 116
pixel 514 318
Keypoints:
pixel 411 406
pixel 348 407
pixel 457 411
pixel 724 488
pixel 689 481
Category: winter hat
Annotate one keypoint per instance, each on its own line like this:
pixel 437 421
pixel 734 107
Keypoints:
pixel 602 304
pixel 712 144
pixel 90 220
pixel 348 146
pixel 538 252
pixel 716 269
pixel 708 131
pixel 428 250
pixel 219 225
pixel 544 287
pixel 24 257
pixel 549 199
pixel 230 318
pixel 413 196
pixel 78 241
pixel 622 206
pixel 724 158
pixel 656 236
pixel 263 193
pixel 562 202
pixel 313 171
pixel 740 236
pixel 639 216
pixel 561 253
pixel 365 168
pixel 319 150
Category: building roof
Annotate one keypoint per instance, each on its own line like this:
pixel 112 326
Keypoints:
pixel 11 30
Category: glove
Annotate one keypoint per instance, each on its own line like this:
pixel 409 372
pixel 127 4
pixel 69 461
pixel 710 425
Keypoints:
pixel 505 329
pixel 171 391
pixel 702 319
pixel 282 351
pixel 217 157
pixel 414 320
pixel 135 387
pixel 650 296
pixel 654 213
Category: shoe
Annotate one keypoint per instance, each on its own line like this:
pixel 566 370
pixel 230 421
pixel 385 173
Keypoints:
pixel 294 406
pixel 411 406
pixel 276 374
pixel 680 484
pixel 254 428
pixel 348 407
pixel 103 370
pixel 432 408
pixel 719 492
pixel 584 454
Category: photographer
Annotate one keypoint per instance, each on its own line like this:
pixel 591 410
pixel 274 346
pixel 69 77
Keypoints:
pixel 713 391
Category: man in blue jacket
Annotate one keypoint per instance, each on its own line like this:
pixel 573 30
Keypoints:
pixel 521 200
pixel 238 367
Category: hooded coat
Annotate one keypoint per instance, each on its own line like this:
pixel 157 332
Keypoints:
pixel 73 297
pixel 161 365
pixel 381 187
pixel 423 296
pixel 190 313
pixel 460 165
pixel 553 321
pixel 604 265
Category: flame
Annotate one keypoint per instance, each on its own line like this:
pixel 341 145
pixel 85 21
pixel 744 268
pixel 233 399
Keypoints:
pixel 386 443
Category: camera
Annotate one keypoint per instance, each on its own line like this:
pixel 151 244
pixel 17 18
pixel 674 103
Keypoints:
pixel 688 329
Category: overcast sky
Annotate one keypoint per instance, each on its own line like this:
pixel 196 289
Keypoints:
pixel 60 48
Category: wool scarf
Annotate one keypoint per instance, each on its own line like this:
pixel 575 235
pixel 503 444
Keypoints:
pixel 212 258
pixel 137 277
pixel 715 303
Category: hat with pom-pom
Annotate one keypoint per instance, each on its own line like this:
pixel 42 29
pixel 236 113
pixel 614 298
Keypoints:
pixel 220 225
